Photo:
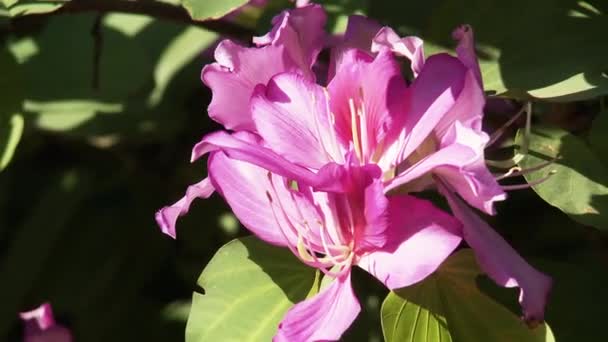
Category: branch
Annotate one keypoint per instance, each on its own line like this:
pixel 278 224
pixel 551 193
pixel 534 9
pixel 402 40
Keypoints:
pixel 154 9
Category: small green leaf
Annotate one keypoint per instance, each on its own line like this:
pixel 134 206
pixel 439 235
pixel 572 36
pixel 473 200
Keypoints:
pixel 249 285
pixel 578 186
pixel 448 306
pixel 11 96
pixel 205 10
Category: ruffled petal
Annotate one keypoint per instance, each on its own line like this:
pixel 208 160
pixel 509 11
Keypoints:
pixel 461 163
pixel 234 76
pixel 291 115
pixel 360 31
pixel 301 32
pixel 246 188
pixel 166 218
pixel 409 47
pixel 323 317
pixel 419 237
pixel 431 96
pixel 466 50
pixel 500 262
pixel 375 88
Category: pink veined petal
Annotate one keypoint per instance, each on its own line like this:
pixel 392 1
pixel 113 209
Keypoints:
pixel 461 163
pixel 246 188
pixel 166 218
pixel 323 317
pixel 431 96
pixel 468 108
pixel 301 32
pixel 500 261
pixel 359 34
pixel 409 47
pixel 419 237
pixel 376 214
pixel 234 76
pixel 291 115
pixel 237 148
pixel 466 50
pixel 374 85
pixel 472 180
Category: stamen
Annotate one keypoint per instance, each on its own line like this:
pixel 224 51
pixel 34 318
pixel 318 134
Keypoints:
pixel 499 132
pixel 363 123
pixel 354 128
pixel 518 171
pixel 528 185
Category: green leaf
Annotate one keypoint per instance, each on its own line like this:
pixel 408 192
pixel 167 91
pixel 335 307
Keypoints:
pixel 598 137
pixel 23 7
pixel 249 285
pixel 205 10
pixel 578 186
pixel 547 49
pixel 11 96
pixel 448 306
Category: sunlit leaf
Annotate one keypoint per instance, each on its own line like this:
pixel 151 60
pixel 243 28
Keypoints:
pixel 249 285
pixel 23 7
pixel 547 49
pixel 11 96
pixel 205 10
pixel 579 182
pixel 448 306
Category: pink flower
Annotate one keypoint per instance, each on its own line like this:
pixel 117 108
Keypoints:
pixel 335 231
pixel 40 326
pixel 427 135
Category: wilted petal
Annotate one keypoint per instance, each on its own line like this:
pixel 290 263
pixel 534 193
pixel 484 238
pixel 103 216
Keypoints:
pixel 500 261
pixel 166 218
pixel 291 115
pixel 431 95
pixel 323 317
pixel 234 76
pixel 301 32
pixel 419 237
pixel 409 47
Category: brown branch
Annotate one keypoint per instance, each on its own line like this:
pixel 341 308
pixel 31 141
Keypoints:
pixel 154 9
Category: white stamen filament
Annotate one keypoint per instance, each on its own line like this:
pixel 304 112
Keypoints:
pixel 355 128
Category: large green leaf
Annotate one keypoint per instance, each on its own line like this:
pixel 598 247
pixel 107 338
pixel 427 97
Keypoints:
pixel 205 10
pixel 549 49
pixel 448 306
pixel 249 285
pixel 11 96
pixel 579 184
pixel 598 137
pixel 23 7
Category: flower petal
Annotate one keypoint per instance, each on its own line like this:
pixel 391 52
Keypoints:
pixel 166 218
pixel 419 237
pixel 245 187
pixel 500 261
pixel 409 47
pixel 301 32
pixel 431 96
pixel 466 49
pixel 291 115
pixel 461 163
pixel 234 76
pixel 323 317
pixel 375 86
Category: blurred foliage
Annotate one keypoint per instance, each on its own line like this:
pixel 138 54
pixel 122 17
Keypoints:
pixel 108 105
